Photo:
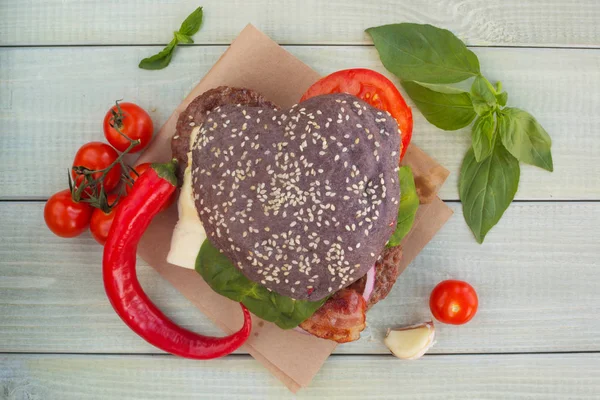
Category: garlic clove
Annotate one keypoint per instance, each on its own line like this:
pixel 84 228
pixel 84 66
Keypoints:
pixel 411 342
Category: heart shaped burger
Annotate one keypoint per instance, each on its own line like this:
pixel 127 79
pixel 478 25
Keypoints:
pixel 303 200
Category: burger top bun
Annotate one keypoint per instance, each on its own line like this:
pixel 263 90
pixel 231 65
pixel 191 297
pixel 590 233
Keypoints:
pixel 303 200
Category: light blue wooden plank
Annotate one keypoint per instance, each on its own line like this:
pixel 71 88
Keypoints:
pixel 478 22
pixel 66 377
pixel 54 99
pixel 537 277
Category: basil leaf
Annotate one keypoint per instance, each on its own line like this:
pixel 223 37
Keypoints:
pixel 487 188
pixel 447 111
pixel 192 23
pixel 181 38
pixel 441 88
pixel 409 203
pixel 482 136
pixel 424 53
pixel 161 59
pixel 224 278
pixel 483 96
pixel 502 98
pixel 525 138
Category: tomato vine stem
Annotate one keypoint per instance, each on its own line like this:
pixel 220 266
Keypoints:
pixel 93 188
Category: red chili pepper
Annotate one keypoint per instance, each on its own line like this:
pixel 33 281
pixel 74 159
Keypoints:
pixel 150 192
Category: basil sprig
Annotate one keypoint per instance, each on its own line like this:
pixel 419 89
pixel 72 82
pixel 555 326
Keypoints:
pixel 188 28
pixel 425 57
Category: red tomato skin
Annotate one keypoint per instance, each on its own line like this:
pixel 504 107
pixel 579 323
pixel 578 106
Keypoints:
pixel 97 156
pixel 64 217
pixel 453 302
pixel 101 222
pixel 136 124
pixel 372 87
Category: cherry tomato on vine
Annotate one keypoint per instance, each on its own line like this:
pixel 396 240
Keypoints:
pixel 372 87
pixel 64 217
pixel 453 302
pixel 133 122
pixel 97 156
pixel 140 169
pixel 101 221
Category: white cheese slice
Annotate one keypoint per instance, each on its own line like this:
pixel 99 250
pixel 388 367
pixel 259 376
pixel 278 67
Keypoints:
pixel 189 232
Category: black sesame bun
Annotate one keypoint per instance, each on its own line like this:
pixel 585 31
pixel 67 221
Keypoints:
pixel 304 200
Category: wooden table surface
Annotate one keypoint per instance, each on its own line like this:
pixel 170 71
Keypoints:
pixel 537 333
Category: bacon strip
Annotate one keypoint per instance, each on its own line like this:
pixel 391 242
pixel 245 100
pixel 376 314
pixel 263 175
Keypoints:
pixel 343 315
pixel 341 318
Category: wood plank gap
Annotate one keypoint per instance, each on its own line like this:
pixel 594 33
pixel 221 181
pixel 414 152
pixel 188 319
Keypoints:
pixel 477 46
pixel 243 355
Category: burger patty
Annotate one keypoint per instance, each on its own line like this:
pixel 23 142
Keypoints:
pixel 195 115
pixel 387 270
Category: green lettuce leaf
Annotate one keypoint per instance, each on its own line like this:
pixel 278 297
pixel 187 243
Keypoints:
pixel 409 203
pixel 224 278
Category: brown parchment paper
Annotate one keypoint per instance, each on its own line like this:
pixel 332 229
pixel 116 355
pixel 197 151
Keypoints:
pixel 254 61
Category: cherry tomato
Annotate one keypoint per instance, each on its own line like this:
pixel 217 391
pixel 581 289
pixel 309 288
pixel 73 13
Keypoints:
pixel 140 169
pixel 133 121
pixel 97 156
pixel 372 87
pixel 64 217
pixel 453 302
pixel 101 221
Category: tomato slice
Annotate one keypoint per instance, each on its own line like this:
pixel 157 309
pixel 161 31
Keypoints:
pixel 372 87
